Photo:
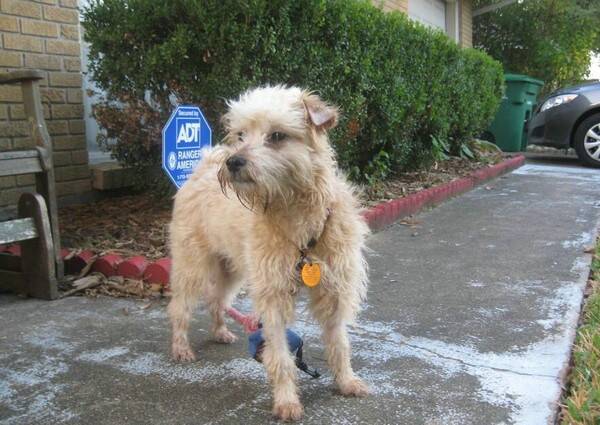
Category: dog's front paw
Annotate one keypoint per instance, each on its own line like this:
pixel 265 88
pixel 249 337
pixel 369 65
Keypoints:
pixel 288 411
pixel 224 336
pixel 183 354
pixel 354 387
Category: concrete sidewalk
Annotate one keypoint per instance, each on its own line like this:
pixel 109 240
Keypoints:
pixel 469 321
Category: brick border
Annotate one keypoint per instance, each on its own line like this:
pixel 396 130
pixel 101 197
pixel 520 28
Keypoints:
pixel 377 217
pixel 386 213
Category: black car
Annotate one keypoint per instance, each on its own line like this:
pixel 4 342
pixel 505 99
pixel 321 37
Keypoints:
pixel 570 118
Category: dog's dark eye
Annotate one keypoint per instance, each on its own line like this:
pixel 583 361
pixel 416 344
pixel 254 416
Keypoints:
pixel 277 137
pixel 240 136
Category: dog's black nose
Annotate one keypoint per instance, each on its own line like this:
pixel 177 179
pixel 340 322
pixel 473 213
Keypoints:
pixel 235 162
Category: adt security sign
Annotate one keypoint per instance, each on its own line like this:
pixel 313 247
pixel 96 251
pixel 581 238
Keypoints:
pixel 184 136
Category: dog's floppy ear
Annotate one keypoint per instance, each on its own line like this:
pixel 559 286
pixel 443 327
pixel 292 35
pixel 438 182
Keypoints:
pixel 319 113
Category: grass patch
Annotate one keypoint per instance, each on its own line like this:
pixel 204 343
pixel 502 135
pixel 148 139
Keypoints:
pixel 582 404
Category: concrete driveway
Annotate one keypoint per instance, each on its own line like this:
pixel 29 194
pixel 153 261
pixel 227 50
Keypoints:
pixel 470 319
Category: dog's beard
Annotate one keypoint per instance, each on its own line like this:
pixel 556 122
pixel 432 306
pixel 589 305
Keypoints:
pixel 247 190
pixel 255 194
pixel 271 185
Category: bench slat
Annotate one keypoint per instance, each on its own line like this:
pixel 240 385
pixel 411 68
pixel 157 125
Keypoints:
pixel 18 154
pixel 18 230
pixel 17 166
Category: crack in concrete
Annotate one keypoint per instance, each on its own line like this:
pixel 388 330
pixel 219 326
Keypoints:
pixel 461 361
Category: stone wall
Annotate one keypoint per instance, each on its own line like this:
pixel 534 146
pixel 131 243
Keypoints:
pixel 44 35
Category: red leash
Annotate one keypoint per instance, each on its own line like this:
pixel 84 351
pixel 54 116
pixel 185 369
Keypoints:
pixel 248 321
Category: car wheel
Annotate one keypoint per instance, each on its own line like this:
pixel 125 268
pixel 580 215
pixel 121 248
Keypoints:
pixel 587 141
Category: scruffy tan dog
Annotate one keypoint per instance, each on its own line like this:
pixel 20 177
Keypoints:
pixel 259 208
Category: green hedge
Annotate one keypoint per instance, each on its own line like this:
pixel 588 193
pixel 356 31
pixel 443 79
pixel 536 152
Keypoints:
pixel 397 83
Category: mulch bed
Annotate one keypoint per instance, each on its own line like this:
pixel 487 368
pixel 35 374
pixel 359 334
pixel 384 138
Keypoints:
pixel 411 182
pixel 129 225
pixel 138 224
pixel 96 284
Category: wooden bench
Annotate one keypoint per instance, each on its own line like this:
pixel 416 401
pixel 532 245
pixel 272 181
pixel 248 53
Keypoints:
pixel 40 266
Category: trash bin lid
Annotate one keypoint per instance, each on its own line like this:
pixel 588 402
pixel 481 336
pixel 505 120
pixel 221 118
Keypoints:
pixel 522 78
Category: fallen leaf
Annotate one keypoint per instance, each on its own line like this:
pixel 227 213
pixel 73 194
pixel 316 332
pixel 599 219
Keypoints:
pixel 88 267
pixel 84 283
pixel 156 287
pixel 116 279
pixel 410 221
pixel 88 280
pixel 146 306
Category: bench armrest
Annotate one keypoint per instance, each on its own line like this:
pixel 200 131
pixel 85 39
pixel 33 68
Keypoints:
pixel 20 76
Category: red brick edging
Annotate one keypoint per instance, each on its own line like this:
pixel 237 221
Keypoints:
pixel 377 217
pixel 386 213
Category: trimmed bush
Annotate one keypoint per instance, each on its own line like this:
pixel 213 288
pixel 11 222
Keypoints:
pixel 396 82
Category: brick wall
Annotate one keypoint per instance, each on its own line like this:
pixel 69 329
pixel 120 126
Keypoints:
pixel 44 35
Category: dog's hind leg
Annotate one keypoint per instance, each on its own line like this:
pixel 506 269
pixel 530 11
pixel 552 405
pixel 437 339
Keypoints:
pixel 191 273
pixel 333 311
pixel 186 286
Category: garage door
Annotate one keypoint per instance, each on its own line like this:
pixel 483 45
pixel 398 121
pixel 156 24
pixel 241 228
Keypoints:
pixel 431 13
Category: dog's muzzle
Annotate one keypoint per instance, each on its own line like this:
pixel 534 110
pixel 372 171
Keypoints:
pixel 235 163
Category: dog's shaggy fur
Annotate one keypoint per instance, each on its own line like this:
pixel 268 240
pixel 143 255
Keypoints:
pixel 242 217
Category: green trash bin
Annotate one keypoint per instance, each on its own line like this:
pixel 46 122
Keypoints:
pixel 508 128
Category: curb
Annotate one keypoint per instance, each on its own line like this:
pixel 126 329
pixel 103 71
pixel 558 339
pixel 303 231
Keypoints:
pixel 384 214
pixel 377 218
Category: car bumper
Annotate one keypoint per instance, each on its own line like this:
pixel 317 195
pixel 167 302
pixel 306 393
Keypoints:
pixel 554 126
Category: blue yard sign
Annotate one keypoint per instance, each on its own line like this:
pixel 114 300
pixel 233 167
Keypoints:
pixel 184 136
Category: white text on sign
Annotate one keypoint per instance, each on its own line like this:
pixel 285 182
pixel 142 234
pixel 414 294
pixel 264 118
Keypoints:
pixel 189 133
pixel 188 160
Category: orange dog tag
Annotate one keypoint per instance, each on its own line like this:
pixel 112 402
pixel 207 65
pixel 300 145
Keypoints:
pixel 311 274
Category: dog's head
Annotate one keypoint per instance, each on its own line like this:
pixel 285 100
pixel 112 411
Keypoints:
pixel 277 144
